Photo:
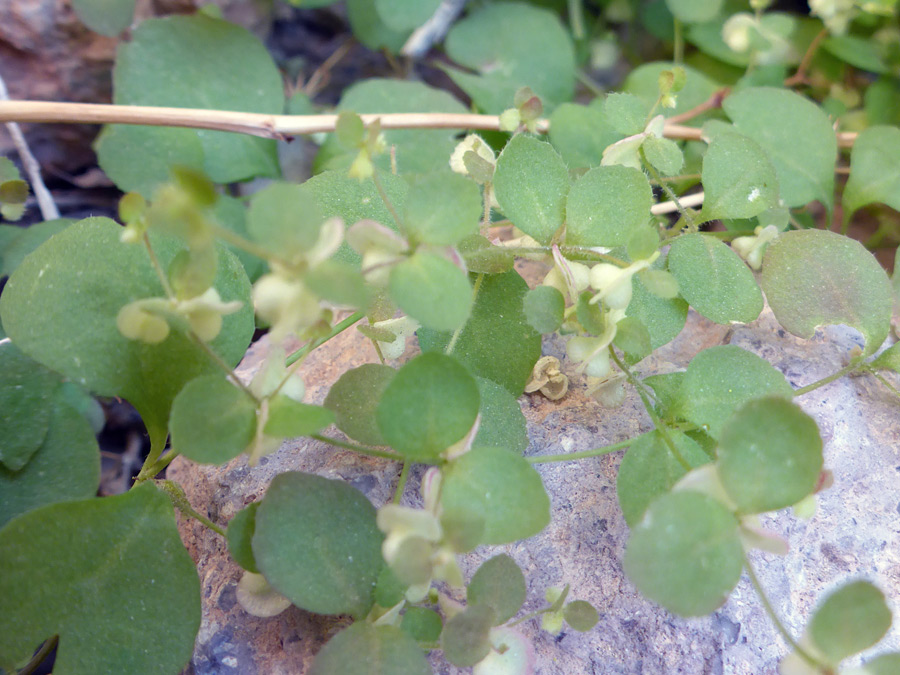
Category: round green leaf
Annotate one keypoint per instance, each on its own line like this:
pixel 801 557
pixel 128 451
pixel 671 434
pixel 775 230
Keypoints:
pixel 815 278
pixel 212 421
pixel 159 148
pixel 430 404
pixel 580 615
pixel 496 342
pixel 502 488
pixel 738 179
pixel 418 151
pixel 797 135
pixel 531 183
pixel 239 537
pixel 502 422
pixel 103 574
pixel 606 205
pixel 26 391
pixel 581 133
pixel 316 542
pixel 664 154
pixel 851 619
pixel 483 257
pixel 405 15
pixel 664 318
pixel 499 584
pixel 885 664
pixel 195 62
pixel 719 380
pixel 649 470
pixel 337 194
pixel 364 649
pixel 769 456
pixel 367 26
pixel 442 208
pixel 694 11
pixel 544 309
pixel 423 624
pixel 686 553
pixel 626 113
pixel 512 45
pixel 714 280
pixel 107 17
pixel 466 637
pixel 80 279
pixel 633 338
pixel 432 290
pixel 874 173
pixel 354 398
pixel 283 218
pixel 65 466
pixel 289 418
pixel 30 238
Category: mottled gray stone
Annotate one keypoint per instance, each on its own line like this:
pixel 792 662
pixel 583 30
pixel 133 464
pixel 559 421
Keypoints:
pixel 855 533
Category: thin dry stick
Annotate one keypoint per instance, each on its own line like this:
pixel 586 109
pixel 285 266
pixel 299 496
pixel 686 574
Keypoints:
pixel 433 30
pixel 272 126
pixel 712 103
pixel 32 168
pixel 688 201
pixel 800 76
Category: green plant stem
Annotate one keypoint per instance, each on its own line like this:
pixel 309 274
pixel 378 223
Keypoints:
pixel 678 55
pixel 846 370
pixel 881 378
pixel 313 344
pixel 530 615
pixel 780 627
pixel 486 215
pixel 248 246
pixel 160 273
pixel 387 200
pixel 401 482
pixel 39 656
pixel 157 446
pixel 360 449
pixel 657 422
pixel 224 367
pixel 180 502
pixel 452 344
pixel 669 192
pixel 576 18
pixel 584 454
pixel 589 83
pixel 160 464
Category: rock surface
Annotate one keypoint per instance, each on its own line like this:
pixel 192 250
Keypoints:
pixel 855 533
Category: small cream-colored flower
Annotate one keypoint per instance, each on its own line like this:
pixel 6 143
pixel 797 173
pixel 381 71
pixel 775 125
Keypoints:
pixel 473 143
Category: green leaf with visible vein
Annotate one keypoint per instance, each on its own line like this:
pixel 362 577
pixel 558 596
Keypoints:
pixel 714 280
pixel 817 278
pixel 429 405
pixel 531 183
pixel 191 62
pixel 65 466
pixel 685 553
pixel 738 179
pixel 512 45
pixel 98 590
pixel 80 279
pixel 316 542
pixel 874 171
pixel 798 136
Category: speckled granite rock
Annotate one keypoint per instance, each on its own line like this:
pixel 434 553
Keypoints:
pixel 856 532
